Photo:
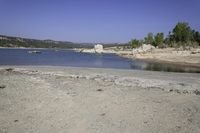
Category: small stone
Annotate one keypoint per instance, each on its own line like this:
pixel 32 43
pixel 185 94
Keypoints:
pixel 99 90
pixel 2 86
pixel 16 120
pixel 103 114
pixel 179 127
pixel 182 84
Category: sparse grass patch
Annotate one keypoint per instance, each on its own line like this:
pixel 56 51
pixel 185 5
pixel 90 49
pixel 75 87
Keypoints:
pixel 9 69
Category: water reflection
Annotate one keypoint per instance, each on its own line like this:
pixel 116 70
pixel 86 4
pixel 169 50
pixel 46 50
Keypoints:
pixel 142 65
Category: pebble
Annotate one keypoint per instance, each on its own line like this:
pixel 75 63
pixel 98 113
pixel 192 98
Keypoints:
pixel 2 86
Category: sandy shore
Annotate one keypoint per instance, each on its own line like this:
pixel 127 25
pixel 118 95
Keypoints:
pixel 169 56
pixel 91 100
pixel 166 55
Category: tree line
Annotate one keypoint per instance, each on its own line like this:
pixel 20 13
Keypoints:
pixel 182 35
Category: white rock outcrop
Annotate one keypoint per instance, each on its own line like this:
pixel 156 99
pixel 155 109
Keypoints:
pixel 144 48
pixel 98 48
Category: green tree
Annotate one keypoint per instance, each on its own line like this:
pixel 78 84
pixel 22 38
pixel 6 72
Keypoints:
pixel 182 32
pixel 149 39
pixel 196 37
pixel 135 43
pixel 159 40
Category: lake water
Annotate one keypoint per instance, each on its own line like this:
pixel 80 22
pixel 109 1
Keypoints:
pixel 75 59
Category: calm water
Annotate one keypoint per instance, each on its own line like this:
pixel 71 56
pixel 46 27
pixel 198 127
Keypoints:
pixel 74 59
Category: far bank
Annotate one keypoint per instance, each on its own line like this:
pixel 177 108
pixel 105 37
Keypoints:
pixel 166 55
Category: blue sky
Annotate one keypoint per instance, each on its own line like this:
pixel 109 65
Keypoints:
pixel 95 20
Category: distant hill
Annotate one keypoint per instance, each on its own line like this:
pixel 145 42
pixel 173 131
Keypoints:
pixel 9 41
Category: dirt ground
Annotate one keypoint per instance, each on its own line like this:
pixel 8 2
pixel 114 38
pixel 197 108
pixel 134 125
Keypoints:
pixel 88 100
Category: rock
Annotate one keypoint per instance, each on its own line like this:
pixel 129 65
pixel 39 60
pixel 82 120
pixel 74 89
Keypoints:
pixel 144 48
pixel 196 51
pixel 147 47
pixel 99 90
pixel 182 53
pixel 103 114
pixel 98 48
pixel 197 92
pixel 16 120
pixel 2 86
pixel 88 50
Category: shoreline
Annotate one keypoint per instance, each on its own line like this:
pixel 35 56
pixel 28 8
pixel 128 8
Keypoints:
pixel 150 60
pixel 152 57
pixel 127 77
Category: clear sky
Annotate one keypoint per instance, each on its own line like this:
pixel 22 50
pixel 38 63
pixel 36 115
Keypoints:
pixel 95 20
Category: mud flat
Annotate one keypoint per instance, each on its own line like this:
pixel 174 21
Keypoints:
pixel 91 100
